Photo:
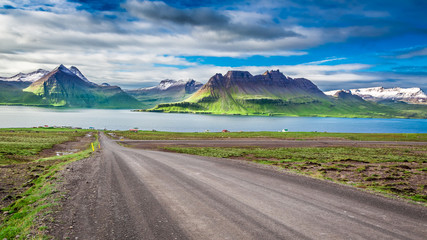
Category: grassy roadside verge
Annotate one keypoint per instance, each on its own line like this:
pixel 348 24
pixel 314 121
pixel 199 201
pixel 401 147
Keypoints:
pixel 393 171
pixel 156 135
pixel 26 145
pixel 22 214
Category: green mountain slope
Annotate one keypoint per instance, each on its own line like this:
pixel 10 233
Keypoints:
pixel 11 94
pixel 63 88
pixel 272 93
pixel 410 110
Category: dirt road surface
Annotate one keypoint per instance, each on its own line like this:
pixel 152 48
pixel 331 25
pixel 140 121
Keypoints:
pixel 126 193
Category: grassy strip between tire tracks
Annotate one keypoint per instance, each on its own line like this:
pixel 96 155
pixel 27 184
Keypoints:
pixel 394 171
pixel 21 214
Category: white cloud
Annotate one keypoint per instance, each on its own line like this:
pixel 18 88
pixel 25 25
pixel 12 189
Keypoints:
pixel 137 51
pixel 325 60
pixel 316 73
pixel 415 53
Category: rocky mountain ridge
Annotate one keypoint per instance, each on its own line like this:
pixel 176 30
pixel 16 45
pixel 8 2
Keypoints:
pixel 272 81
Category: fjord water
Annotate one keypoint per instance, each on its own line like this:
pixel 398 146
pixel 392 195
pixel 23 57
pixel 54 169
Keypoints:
pixel 18 116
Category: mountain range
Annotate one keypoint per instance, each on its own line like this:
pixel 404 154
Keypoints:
pixel 273 93
pixel 63 87
pixel 236 92
pixel 26 77
pixel 408 95
pixel 167 91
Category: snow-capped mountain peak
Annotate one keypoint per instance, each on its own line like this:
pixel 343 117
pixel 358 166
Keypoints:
pixel 63 69
pixel 165 84
pixel 26 77
pixel 168 83
pixel 410 95
pixel 36 75
pixel 390 93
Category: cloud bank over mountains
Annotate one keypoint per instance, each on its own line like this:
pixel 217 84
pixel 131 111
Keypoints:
pixel 134 42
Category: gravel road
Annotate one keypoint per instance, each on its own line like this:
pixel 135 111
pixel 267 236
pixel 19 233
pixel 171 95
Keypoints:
pixel 126 193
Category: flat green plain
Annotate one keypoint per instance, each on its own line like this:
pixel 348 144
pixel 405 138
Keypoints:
pixel 157 135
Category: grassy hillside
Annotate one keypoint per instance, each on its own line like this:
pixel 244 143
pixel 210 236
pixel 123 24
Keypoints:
pixel 61 88
pixel 113 98
pixel 11 94
pixel 411 110
pixel 81 97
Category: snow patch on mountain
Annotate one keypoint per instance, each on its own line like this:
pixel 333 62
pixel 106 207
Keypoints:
pixel 27 77
pixel 333 92
pixel 167 84
pixel 63 69
pixel 410 95
pixel 79 74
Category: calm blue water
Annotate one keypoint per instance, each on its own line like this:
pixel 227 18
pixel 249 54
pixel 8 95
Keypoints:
pixel 16 116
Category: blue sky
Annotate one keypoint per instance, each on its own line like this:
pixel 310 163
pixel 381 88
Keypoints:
pixel 136 43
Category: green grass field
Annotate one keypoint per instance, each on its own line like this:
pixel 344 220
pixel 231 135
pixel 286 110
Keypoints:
pixel 150 135
pixel 28 182
pixel 314 154
pixel 23 145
